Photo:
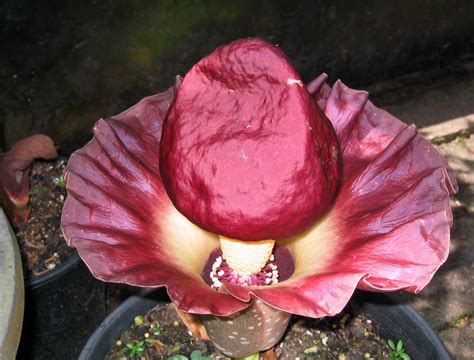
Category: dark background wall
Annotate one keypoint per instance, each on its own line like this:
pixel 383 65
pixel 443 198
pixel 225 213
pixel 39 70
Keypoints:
pixel 65 64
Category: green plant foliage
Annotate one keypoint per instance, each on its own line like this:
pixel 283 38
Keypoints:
pixel 61 182
pixel 460 321
pixel 398 352
pixel 156 329
pixel 177 357
pixel 195 355
pixel 177 346
pixel 255 356
pixel 138 320
pixel 311 350
pixel 136 348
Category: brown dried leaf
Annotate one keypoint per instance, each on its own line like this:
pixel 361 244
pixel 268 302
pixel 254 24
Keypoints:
pixel 268 355
pixel 193 323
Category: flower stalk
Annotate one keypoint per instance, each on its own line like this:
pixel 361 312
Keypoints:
pixel 257 328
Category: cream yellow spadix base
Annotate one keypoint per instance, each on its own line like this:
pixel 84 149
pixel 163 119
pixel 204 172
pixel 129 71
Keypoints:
pixel 246 257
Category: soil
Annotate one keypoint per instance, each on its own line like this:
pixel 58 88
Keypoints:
pixel 42 245
pixel 349 335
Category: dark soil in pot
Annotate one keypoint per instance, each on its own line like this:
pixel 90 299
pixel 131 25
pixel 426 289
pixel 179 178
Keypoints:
pixel 41 243
pixel 361 331
pixel 350 335
pixel 63 302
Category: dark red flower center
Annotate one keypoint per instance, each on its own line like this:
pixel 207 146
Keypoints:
pixel 222 272
pixel 217 272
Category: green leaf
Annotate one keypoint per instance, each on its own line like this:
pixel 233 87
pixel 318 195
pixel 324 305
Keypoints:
pixel 138 320
pixel 405 356
pixel 177 346
pixel 399 346
pixel 255 356
pixel 136 348
pixel 157 329
pixel 391 344
pixel 177 357
pixel 61 182
pixel 197 355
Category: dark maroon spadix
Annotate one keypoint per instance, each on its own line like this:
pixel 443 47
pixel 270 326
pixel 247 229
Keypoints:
pixel 245 152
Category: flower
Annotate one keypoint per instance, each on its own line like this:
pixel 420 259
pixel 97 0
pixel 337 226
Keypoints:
pixel 387 229
pixel 14 169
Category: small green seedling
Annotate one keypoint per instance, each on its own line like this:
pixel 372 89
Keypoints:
pixel 177 346
pixel 136 348
pixel 156 329
pixel 177 357
pixel 460 321
pixel 195 355
pixel 138 320
pixel 311 350
pixel 398 352
pixel 60 181
pixel 255 356
pixel 317 345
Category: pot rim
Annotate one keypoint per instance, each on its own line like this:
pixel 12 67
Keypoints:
pixel 377 305
pixel 51 275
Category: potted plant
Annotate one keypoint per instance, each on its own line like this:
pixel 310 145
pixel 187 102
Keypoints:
pixel 384 317
pixel 252 197
pixel 60 297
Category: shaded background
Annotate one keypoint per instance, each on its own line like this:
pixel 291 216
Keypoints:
pixel 65 64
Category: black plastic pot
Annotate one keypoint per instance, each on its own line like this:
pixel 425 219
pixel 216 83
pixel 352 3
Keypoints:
pixel 62 309
pixel 396 320
pixel 105 336
pixel 392 318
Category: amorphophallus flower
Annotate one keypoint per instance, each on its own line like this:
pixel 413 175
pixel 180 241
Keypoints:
pixel 14 170
pixel 251 196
